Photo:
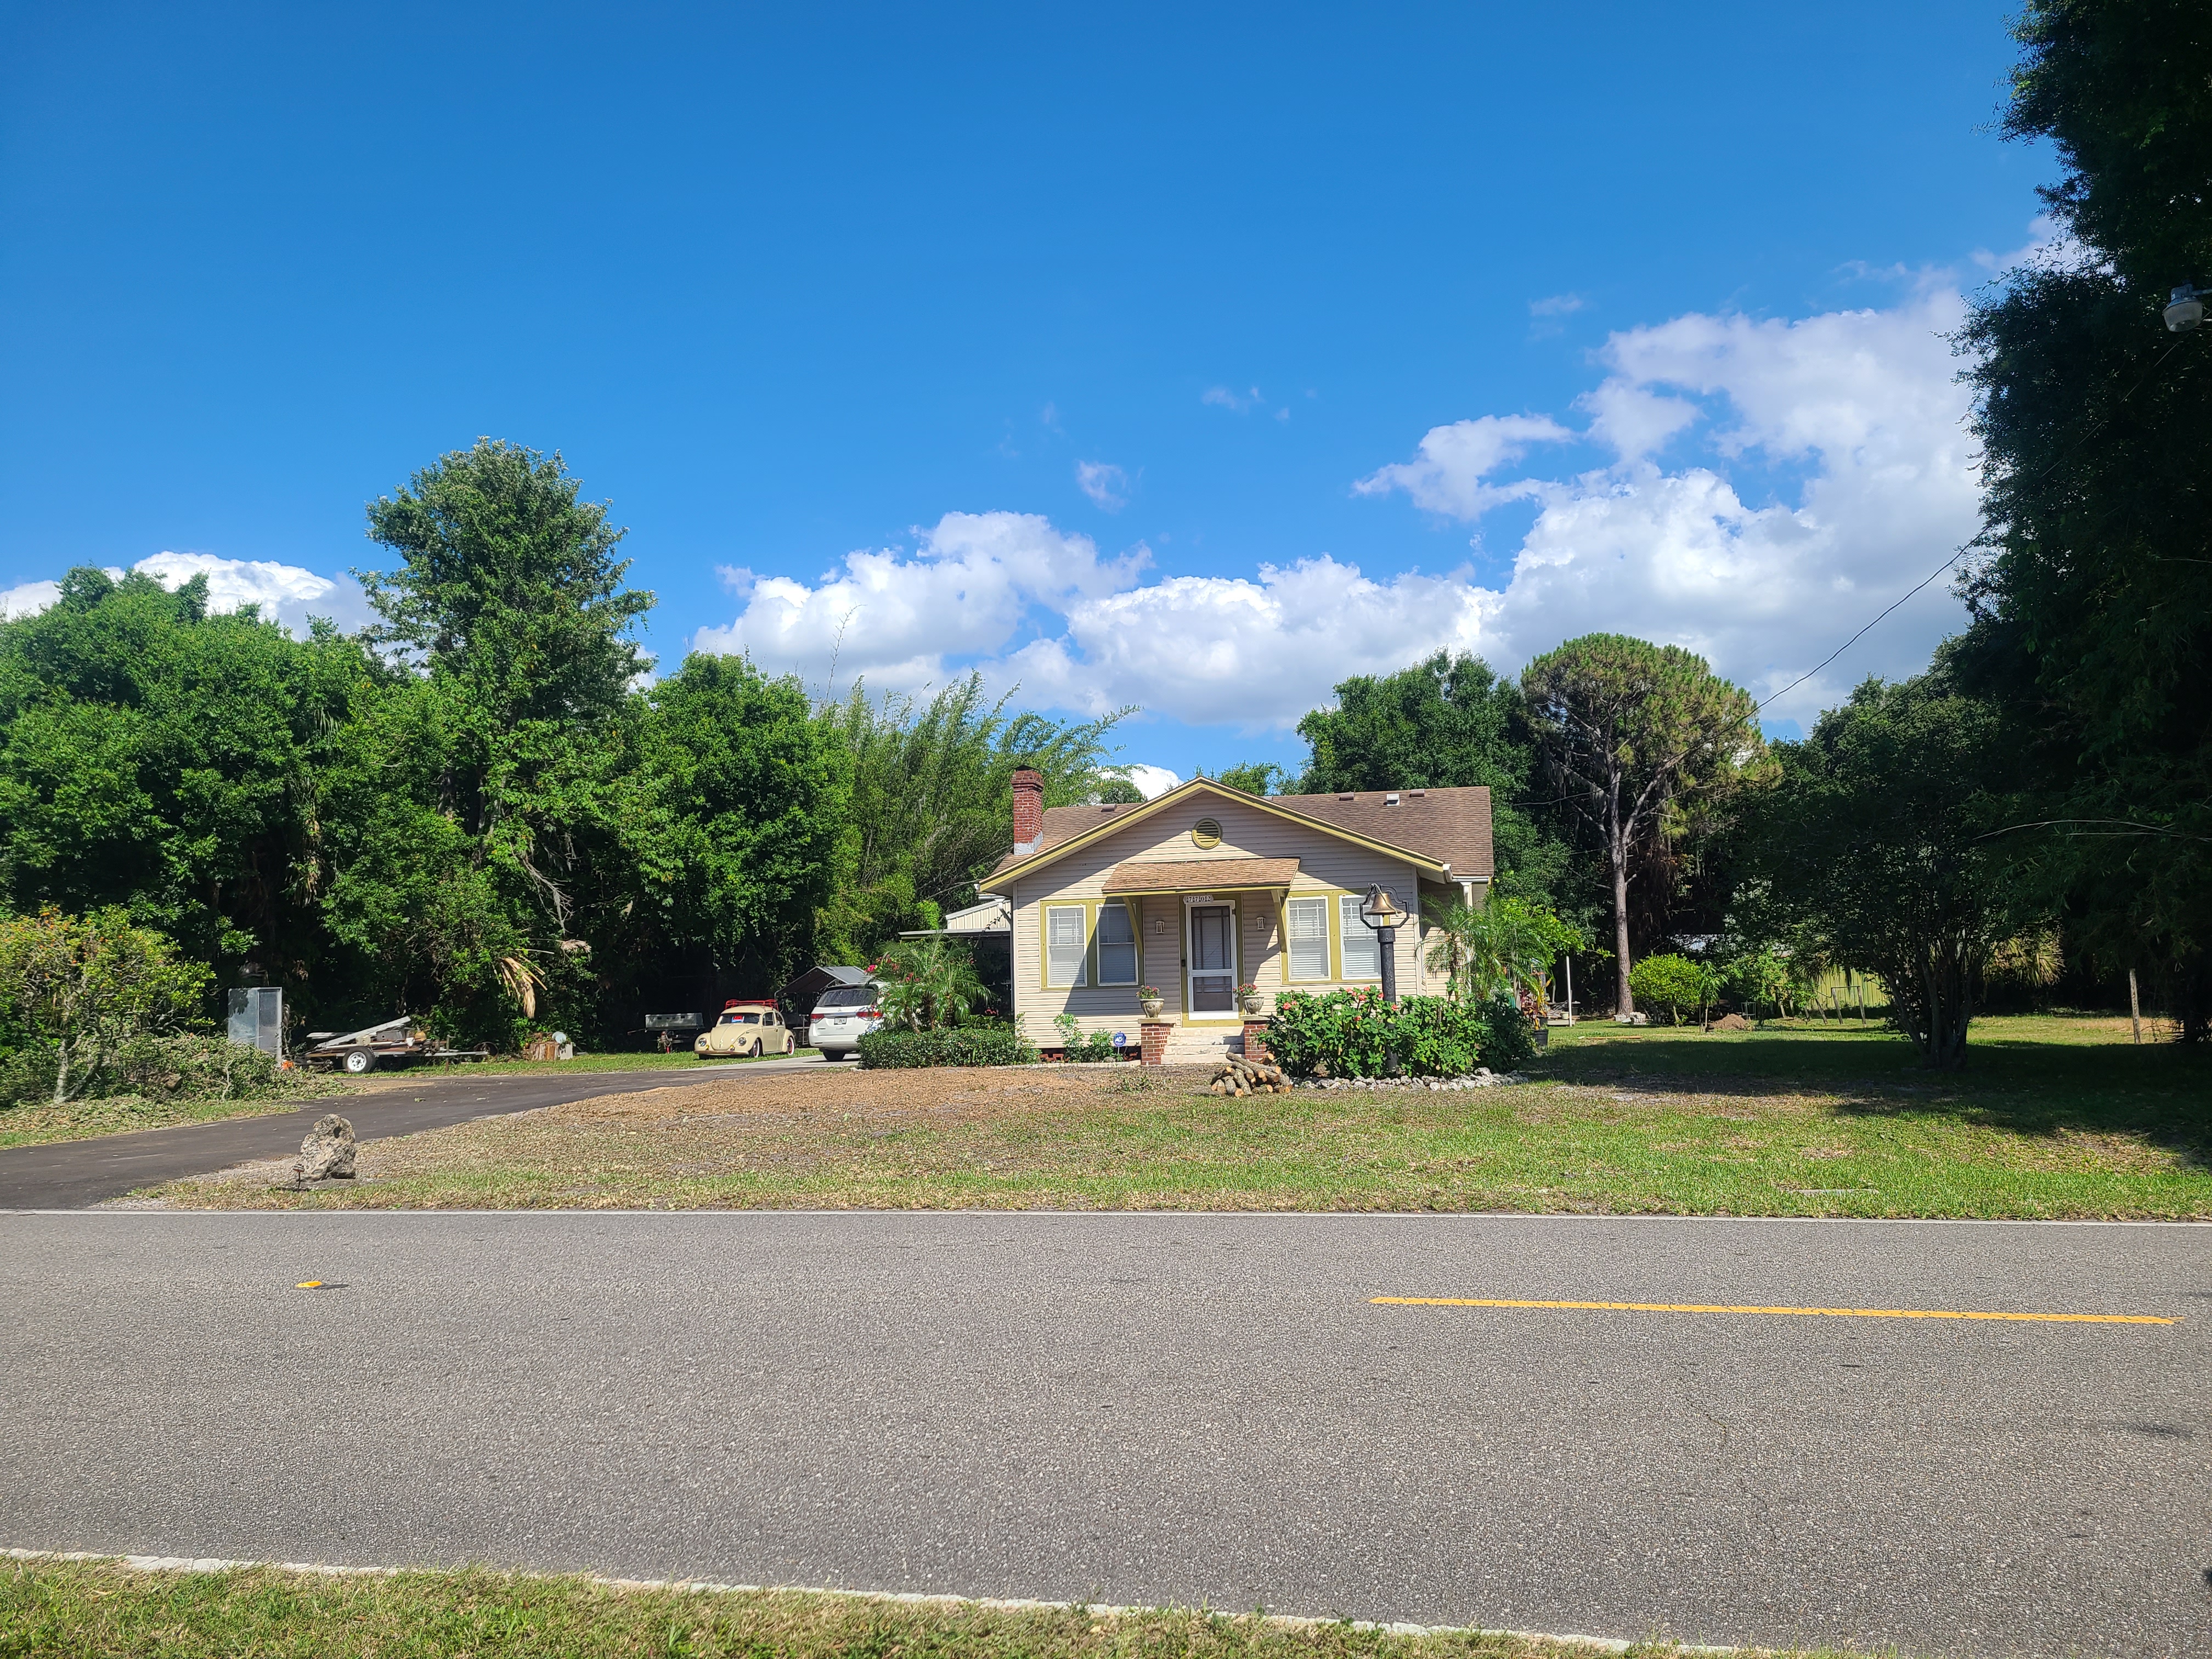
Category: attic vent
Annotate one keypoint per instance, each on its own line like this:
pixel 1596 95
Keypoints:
pixel 1206 833
pixel 1417 793
pixel 1344 797
pixel 1389 800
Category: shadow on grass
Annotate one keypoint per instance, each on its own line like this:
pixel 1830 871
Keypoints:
pixel 2160 1094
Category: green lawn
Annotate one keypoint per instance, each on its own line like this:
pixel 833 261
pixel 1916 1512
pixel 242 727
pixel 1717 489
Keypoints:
pixel 2050 1118
pixel 93 1610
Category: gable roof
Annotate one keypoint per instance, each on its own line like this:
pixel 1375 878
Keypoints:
pixel 1443 829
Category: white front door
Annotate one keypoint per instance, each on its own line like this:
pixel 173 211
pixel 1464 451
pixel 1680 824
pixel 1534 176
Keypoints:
pixel 1212 972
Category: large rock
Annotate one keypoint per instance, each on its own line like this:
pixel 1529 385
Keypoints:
pixel 327 1153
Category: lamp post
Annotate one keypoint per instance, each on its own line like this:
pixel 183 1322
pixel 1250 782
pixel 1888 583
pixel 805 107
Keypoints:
pixel 1381 912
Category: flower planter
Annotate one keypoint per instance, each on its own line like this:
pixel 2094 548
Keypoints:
pixel 1154 1007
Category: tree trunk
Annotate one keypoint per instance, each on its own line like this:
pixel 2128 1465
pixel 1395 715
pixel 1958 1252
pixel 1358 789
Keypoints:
pixel 1617 850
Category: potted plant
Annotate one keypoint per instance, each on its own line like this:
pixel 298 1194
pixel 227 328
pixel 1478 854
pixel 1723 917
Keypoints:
pixel 1248 998
pixel 1149 1000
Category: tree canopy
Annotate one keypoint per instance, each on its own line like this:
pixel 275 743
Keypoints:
pixel 1636 740
pixel 1874 850
pixel 2092 606
pixel 1446 722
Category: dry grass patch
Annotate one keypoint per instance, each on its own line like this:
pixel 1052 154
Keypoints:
pixel 1691 1127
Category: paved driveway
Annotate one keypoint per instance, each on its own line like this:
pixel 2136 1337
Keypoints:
pixel 1135 1409
pixel 71 1173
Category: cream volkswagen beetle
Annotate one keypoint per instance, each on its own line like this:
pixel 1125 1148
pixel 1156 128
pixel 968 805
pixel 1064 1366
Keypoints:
pixel 746 1030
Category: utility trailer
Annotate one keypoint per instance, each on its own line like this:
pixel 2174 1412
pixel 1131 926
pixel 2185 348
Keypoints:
pixel 392 1043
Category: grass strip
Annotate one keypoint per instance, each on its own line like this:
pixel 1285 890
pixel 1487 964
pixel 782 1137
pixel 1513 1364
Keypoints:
pixel 106 1609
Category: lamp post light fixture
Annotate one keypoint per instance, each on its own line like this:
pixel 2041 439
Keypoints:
pixel 1382 913
pixel 2185 308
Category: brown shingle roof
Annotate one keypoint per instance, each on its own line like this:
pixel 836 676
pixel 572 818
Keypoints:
pixel 1199 875
pixel 1451 826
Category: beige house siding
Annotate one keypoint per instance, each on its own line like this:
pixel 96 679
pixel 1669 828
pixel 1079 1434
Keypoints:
pixel 1328 866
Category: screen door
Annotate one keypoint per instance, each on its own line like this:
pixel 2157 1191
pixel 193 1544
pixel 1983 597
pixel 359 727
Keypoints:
pixel 1213 959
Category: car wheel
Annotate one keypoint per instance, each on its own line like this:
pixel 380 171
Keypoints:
pixel 756 1053
pixel 360 1060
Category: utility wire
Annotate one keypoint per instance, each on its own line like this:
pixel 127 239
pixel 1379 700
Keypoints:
pixel 2080 439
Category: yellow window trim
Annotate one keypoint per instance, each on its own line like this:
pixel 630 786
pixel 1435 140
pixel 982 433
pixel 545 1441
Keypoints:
pixel 1089 908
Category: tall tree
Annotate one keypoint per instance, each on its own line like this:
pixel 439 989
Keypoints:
pixel 1446 722
pixel 2092 613
pixel 500 744
pixel 156 757
pixel 932 785
pixel 1635 739
pixel 739 803
pixel 1874 850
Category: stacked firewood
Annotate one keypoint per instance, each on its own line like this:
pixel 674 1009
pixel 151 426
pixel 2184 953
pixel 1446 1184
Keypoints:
pixel 1240 1076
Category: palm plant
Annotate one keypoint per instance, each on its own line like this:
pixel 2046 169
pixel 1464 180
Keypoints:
pixel 1505 944
pixel 927 983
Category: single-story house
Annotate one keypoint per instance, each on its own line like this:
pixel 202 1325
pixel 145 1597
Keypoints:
pixel 1205 888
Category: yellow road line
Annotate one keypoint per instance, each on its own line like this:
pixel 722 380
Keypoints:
pixel 1731 1308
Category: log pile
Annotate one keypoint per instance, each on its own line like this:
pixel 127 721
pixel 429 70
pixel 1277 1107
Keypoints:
pixel 1240 1076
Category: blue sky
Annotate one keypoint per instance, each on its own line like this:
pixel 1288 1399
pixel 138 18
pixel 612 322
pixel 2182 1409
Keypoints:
pixel 1191 357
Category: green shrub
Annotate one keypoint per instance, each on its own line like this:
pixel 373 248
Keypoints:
pixel 178 1066
pixel 1075 1045
pixel 1353 1033
pixel 957 1045
pixel 1675 983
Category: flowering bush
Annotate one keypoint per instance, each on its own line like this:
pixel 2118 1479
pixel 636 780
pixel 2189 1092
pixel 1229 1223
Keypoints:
pixel 1355 1033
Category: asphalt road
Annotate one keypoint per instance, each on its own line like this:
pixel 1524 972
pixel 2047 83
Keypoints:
pixel 70 1174
pixel 1141 1409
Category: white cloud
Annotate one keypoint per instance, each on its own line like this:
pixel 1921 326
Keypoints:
pixel 286 593
pixel 1152 781
pixel 1238 402
pixel 1860 414
pixel 1455 460
pixel 27 599
pixel 900 619
pixel 1761 488
pixel 1557 305
pixel 1105 483
pixel 1254 654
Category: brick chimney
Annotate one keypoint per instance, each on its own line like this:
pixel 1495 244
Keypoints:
pixel 1029 811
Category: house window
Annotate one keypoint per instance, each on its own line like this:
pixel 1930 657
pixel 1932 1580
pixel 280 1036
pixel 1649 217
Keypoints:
pixel 1361 951
pixel 1063 944
pixel 1117 945
pixel 1308 926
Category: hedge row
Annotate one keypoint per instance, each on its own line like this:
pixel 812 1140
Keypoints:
pixel 1355 1033
pixel 959 1045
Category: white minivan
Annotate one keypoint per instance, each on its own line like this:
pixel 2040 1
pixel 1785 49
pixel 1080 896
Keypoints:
pixel 845 1014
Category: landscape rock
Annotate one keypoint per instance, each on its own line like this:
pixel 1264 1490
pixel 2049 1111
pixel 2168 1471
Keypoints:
pixel 327 1153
